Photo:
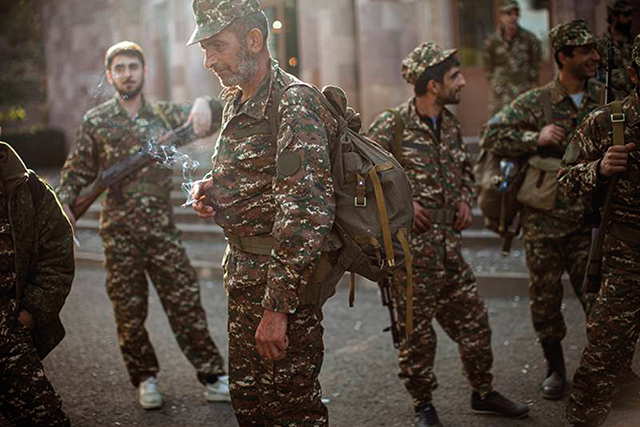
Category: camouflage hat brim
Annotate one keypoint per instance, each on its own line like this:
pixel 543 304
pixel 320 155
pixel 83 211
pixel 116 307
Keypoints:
pixel 203 33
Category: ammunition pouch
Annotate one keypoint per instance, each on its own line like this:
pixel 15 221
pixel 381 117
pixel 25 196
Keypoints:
pixel 540 186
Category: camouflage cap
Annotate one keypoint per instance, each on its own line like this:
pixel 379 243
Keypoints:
pixel 422 57
pixel 574 33
pixel 508 5
pixel 620 5
pixel 213 16
pixel 635 54
pixel 126 47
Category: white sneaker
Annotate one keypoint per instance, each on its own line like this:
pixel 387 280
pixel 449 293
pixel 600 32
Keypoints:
pixel 149 396
pixel 218 391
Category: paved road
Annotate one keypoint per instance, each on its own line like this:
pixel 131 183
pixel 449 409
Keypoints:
pixel 359 375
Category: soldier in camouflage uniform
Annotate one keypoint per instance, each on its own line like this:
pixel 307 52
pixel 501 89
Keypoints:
pixel 439 168
pixel 36 271
pixel 273 196
pixel 511 58
pixel 556 240
pixel 620 20
pixel 137 226
pixel 613 323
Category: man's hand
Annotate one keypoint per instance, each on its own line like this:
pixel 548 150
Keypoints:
pixel 200 192
pixel 26 319
pixel 550 134
pixel 72 218
pixel 421 219
pixel 464 217
pixel 615 160
pixel 200 116
pixel 271 335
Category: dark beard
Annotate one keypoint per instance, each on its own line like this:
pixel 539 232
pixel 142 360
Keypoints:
pixel 124 94
pixel 624 28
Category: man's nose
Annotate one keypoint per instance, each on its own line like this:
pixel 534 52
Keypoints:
pixel 209 60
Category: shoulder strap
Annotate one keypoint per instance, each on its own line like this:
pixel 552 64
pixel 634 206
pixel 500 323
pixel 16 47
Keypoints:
pixel 546 105
pixel 617 120
pixel 156 109
pixel 398 133
pixel 272 112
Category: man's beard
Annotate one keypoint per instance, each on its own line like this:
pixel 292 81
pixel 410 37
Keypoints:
pixel 451 98
pixel 130 94
pixel 624 28
pixel 247 68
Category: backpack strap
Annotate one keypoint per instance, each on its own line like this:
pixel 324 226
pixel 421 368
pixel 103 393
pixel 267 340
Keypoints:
pixel 546 105
pixel 398 133
pixel 617 120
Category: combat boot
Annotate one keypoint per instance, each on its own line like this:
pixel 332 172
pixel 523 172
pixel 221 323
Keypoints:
pixel 495 403
pixel 427 417
pixel 554 384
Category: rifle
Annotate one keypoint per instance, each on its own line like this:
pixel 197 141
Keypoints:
pixel 115 175
pixel 387 301
pixel 592 277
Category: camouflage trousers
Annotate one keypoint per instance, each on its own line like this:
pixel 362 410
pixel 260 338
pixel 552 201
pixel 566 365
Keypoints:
pixel 612 332
pixel 547 260
pixel 160 255
pixel 27 398
pixel 281 393
pixel 451 296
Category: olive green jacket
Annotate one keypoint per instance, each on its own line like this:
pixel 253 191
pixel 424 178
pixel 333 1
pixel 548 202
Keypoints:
pixel 43 246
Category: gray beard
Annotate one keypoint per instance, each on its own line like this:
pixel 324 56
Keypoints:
pixel 247 68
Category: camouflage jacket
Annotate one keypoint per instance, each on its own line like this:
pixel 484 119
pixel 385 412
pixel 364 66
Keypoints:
pixel 620 81
pixel 514 131
pixel 440 172
pixel 251 197
pixel 594 137
pixel 512 66
pixel 108 135
pixel 43 250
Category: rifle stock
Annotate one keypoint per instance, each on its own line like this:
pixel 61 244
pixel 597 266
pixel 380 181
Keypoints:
pixel 123 170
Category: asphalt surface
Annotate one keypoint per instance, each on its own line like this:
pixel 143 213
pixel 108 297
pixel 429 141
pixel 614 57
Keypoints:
pixel 358 377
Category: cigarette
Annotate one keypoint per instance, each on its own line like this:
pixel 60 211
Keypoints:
pixel 191 202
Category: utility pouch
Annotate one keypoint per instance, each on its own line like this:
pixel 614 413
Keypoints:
pixel 540 186
pixel 322 285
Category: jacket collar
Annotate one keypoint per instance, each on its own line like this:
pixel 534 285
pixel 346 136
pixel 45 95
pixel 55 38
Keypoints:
pixel 558 93
pixel 12 169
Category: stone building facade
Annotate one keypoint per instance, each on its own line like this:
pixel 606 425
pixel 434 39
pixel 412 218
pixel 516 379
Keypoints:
pixel 355 44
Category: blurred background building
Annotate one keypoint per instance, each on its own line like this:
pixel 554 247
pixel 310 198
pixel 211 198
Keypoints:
pixel 52 51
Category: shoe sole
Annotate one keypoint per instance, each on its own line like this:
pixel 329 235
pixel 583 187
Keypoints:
pixel 517 417
pixel 148 407
pixel 553 396
pixel 218 399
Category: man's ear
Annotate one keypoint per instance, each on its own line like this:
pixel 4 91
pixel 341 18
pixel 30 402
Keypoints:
pixel 255 40
pixel 633 75
pixel 562 58
pixel 109 76
pixel 433 87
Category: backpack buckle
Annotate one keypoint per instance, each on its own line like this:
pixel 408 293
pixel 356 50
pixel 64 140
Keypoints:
pixel 618 118
pixel 362 204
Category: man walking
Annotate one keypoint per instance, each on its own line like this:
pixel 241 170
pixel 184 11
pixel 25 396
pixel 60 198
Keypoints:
pixel 431 150
pixel 273 196
pixel 137 227
pixel 556 233
pixel 511 58
pixel 613 324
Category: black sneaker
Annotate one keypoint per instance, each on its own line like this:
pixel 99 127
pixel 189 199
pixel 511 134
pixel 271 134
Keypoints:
pixel 427 417
pixel 495 403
